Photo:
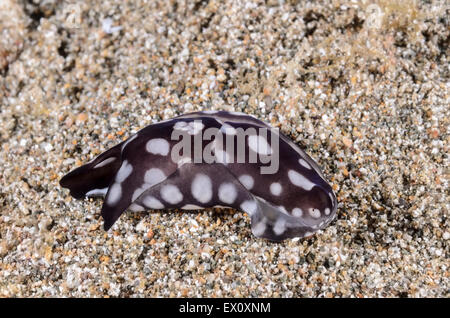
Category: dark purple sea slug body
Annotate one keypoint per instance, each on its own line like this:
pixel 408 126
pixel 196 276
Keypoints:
pixel 143 173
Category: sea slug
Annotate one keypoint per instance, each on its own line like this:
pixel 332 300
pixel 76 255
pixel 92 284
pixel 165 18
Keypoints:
pixel 209 159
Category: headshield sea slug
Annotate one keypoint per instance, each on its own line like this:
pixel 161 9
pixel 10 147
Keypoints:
pixel 207 159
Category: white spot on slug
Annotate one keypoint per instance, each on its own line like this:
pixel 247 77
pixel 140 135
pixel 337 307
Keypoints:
pixel 97 192
pixel 315 213
pixel 299 180
pixel 275 188
pixel 158 146
pixel 114 194
pixel 297 212
pixel 221 155
pixel 191 207
pixel 228 130
pixel 180 125
pixel 170 193
pixel 249 206
pixel 283 209
pixel 152 202
pixel 327 211
pixel 227 193
pixel 136 207
pixel 241 114
pixel 201 188
pixel 259 145
pixel 184 161
pixel 137 193
pixel 196 127
pixel 104 162
pixel 247 181
pixel 279 227
pixel 192 128
pixel 259 228
pixel 124 171
pixel 154 176
pixel 304 163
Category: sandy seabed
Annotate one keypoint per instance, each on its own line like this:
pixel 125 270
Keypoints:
pixel 363 87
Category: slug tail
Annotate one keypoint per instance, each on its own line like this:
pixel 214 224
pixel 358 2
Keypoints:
pixel 93 178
